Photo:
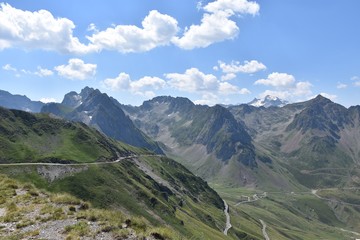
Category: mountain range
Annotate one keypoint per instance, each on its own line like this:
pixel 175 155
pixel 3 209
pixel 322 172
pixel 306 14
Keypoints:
pixel 102 112
pixel 266 145
pixel 19 102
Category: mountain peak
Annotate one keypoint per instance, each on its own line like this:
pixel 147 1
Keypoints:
pixel 268 101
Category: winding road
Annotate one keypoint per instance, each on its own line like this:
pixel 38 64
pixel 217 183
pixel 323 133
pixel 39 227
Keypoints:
pixel 266 236
pixel 77 164
pixel 228 224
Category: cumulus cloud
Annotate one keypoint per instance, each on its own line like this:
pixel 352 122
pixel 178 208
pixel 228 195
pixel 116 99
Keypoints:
pixel 216 25
pixel 43 72
pixel 252 66
pixel 76 69
pixel 195 81
pixel 234 6
pixel 228 76
pixel 285 86
pixel 157 30
pixel 208 99
pixel 41 30
pixel 38 30
pixel 143 86
pixel 276 79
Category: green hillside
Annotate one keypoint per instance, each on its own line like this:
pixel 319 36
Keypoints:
pixel 108 174
pixel 40 138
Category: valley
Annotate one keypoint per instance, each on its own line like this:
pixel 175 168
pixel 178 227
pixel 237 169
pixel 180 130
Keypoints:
pixel 254 172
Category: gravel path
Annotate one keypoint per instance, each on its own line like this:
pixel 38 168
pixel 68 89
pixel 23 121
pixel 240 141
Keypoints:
pixel 228 224
pixel 266 236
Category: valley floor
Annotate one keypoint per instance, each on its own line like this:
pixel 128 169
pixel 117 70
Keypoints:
pixel 316 214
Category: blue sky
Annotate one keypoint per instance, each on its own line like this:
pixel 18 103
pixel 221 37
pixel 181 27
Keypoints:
pixel 222 51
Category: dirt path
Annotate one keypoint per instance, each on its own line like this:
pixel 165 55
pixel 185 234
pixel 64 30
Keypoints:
pixel 228 224
pixel 77 164
pixel 314 192
pixel 255 198
pixel 266 236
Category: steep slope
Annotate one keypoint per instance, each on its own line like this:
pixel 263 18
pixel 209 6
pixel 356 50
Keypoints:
pixel 139 183
pixel 19 102
pixel 206 139
pixel 41 138
pixel 27 212
pixel 98 110
pixel 307 136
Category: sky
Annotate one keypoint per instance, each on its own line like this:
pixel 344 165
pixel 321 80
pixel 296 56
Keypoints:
pixel 221 51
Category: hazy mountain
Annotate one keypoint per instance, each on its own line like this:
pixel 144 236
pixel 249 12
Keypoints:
pixel 206 139
pixel 19 102
pixel 268 101
pixel 316 134
pixel 98 110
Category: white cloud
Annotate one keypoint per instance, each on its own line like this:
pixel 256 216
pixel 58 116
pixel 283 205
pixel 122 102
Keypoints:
pixel 195 81
pixel 38 30
pixel 341 85
pixel 157 30
pixel 279 94
pixel 252 66
pixel 277 80
pixel 148 82
pixel 43 72
pixel 332 97
pixel 214 28
pixel 226 88
pixel 356 80
pixel 143 86
pixel 209 99
pixel 216 25
pixel 41 30
pixel 8 67
pixel 228 76
pixel 76 69
pixel 285 87
pixel 302 89
pixel 92 28
pixel 48 100
pixel 235 6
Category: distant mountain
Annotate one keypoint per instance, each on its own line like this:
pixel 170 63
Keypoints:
pixel 98 110
pixel 19 102
pixel 268 101
pixel 307 136
pixel 207 139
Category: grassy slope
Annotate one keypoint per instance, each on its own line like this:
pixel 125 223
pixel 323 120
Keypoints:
pixel 289 216
pixel 28 212
pixel 39 138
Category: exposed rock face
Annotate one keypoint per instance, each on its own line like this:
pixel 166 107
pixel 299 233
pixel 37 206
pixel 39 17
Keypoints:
pixel 98 110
